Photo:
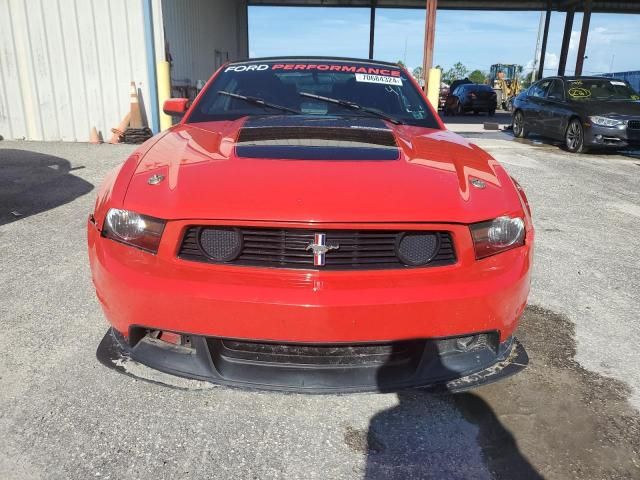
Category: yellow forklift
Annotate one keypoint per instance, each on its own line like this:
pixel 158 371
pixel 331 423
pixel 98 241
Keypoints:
pixel 505 81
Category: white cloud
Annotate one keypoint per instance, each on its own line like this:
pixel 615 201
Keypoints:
pixel 601 49
pixel 551 60
pixel 334 21
pixel 574 40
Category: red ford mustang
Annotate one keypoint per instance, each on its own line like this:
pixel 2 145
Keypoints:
pixel 311 225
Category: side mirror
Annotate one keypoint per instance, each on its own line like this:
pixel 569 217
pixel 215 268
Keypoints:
pixel 176 107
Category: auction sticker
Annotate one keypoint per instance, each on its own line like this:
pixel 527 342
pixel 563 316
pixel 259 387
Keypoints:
pixel 577 92
pixel 384 80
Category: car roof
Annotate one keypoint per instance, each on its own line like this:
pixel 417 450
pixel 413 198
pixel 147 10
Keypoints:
pixel 572 77
pixel 316 58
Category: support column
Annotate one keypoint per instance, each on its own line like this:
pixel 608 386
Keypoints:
pixel 151 65
pixel 429 38
pixel 372 27
pixel 566 38
pixel 545 36
pixel 582 47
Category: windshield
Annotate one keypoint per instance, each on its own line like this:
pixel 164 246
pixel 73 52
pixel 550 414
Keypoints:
pixel 288 88
pixel 600 90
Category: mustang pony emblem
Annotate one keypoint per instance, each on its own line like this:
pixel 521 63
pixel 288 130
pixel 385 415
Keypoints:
pixel 320 248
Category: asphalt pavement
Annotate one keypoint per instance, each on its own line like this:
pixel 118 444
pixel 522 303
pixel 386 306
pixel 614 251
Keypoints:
pixel 573 413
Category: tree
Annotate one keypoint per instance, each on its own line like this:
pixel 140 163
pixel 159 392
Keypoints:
pixel 477 76
pixel 417 73
pixel 528 79
pixel 401 63
pixel 457 72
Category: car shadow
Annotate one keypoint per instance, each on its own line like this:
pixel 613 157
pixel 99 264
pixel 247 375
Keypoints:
pixel 630 153
pixel 420 437
pixel 535 139
pixel 501 117
pixel 32 182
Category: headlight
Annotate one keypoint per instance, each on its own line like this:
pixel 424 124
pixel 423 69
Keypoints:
pixel 502 233
pixel 133 229
pixel 606 122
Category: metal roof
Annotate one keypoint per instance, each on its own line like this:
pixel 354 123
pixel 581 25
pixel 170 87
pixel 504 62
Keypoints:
pixel 315 59
pixel 597 6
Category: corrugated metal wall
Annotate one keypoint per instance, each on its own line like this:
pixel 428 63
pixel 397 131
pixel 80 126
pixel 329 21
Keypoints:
pixel 203 34
pixel 632 77
pixel 65 66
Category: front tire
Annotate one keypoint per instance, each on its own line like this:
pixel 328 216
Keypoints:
pixel 519 128
pixel 574 137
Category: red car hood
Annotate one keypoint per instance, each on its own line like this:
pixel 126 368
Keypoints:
pixel 428 182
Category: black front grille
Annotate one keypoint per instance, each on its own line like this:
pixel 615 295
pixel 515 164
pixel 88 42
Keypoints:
pixel 358 249
pixel 633 124
pixel 304 354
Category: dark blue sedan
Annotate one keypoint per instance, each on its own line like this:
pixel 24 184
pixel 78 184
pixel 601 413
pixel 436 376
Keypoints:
pixel 583 112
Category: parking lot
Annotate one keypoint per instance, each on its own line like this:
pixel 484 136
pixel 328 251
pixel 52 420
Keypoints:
pixel 573 413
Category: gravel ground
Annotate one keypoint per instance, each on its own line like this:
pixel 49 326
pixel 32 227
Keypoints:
pixel 573 413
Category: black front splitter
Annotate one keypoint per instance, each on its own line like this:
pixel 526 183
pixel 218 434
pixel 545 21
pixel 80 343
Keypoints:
pixel 201 361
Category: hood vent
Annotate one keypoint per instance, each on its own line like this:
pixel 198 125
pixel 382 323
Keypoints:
pixel 317 142
pixel 364 136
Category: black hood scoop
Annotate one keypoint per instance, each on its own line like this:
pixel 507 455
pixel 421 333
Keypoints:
pixel 312 138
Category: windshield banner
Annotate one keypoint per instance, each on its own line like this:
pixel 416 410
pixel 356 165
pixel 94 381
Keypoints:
pixel 321 67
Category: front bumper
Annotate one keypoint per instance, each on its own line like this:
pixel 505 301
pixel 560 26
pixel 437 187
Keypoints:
pixel 614 137
pixel 163 292
pixel 437 364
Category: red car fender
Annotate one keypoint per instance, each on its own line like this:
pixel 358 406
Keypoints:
pixel 523 195
pixel 113 188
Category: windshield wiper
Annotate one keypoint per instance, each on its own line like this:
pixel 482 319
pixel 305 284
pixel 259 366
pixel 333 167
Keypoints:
pixel 352 106
pixel 259 101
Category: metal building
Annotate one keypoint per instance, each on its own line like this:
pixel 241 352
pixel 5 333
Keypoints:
pixel 66 65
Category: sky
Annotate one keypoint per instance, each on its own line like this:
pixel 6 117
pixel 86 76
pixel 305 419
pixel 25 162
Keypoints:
pixel 477 39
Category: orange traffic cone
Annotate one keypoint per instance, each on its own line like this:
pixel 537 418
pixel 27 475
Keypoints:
pixel 136 118
pixel 119 130
pixel 94 137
